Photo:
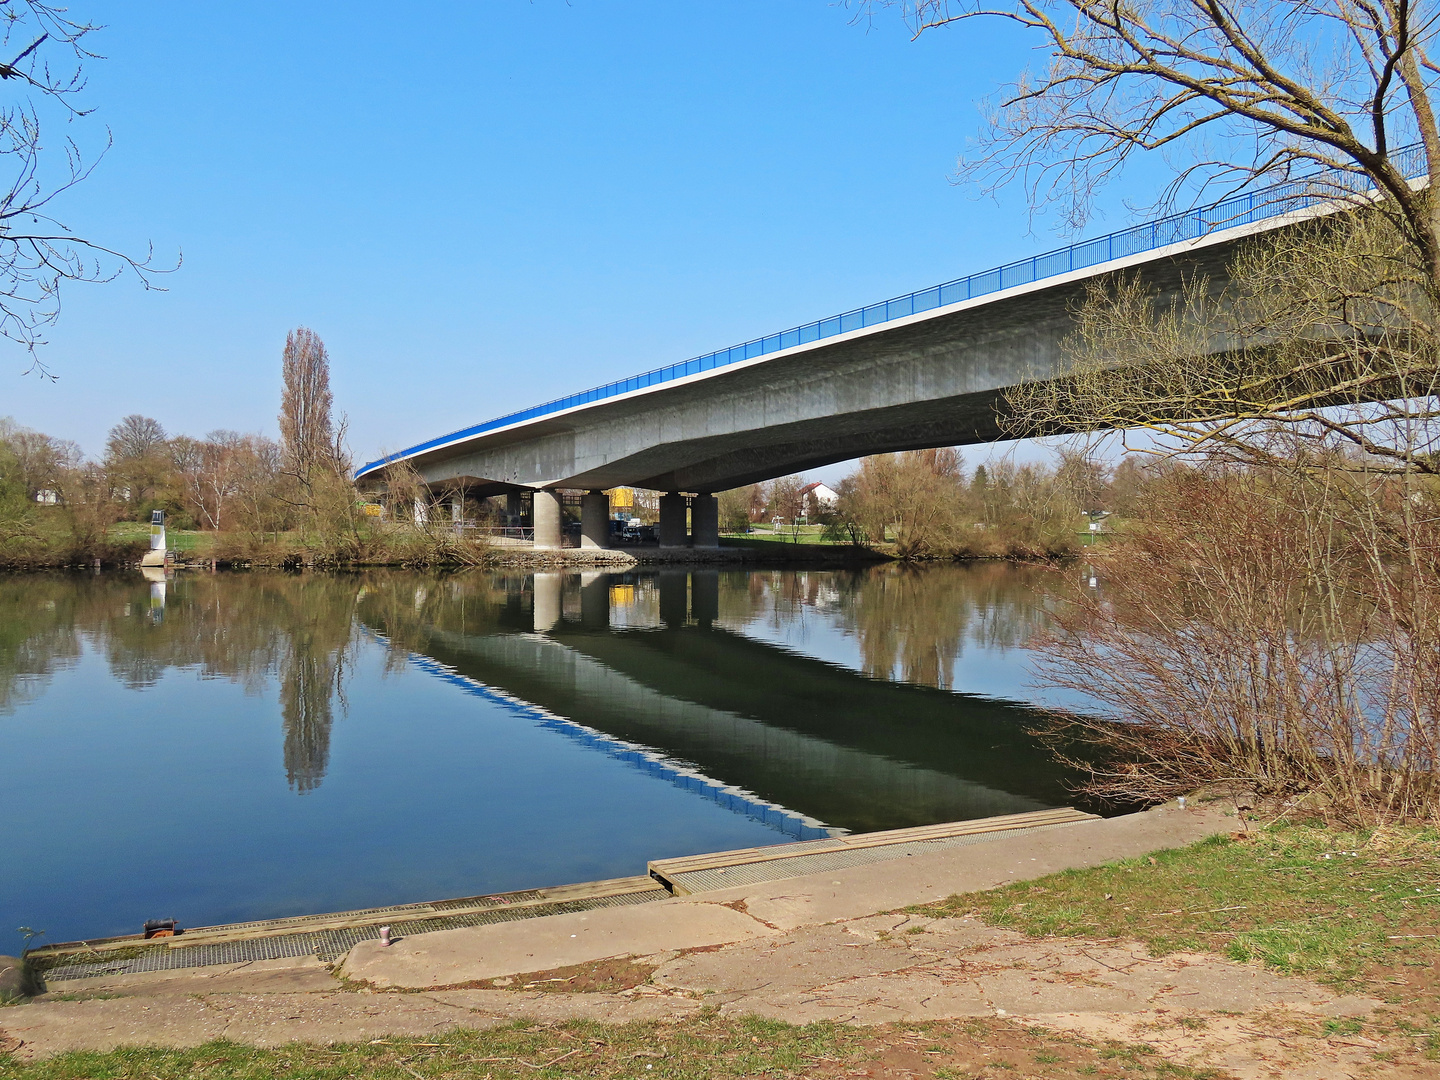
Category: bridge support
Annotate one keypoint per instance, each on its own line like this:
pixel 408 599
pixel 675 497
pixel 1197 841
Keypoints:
pixel 672 521
pixel 674 587
pixel 705 597
pixel 705 520
pixel 422 510
pixel 457 511
pixel 595 601
pixel 514 507
pixel 545 510
pixel 546 611
pixel 595 520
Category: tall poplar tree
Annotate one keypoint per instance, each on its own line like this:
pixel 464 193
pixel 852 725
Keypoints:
pixel 307 431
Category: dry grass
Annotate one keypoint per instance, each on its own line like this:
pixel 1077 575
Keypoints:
pixel 698 1049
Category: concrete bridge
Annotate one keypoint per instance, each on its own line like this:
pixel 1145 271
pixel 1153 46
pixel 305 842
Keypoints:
pixel 923 370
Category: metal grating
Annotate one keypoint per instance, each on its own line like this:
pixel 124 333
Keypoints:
pixel 752 873
pixel 328 945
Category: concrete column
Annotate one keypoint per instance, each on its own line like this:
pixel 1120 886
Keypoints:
pixel 705 520
pixel 672 521
pixel 674 586
pixel 422 510
pixel 546 513
pixel 457 511
pixel 705 597
pixel 546 612
pixel 595 520
pixel 595 601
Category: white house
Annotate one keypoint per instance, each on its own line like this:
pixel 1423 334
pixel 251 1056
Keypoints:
pixel 818 498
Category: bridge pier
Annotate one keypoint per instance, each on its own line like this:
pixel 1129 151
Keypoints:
pixel 674 587
pixel 673 531
pixel 595 520
pixel 546 610
pixel 546 514
pixel 705 520
pixel 595 601
pixel 705 597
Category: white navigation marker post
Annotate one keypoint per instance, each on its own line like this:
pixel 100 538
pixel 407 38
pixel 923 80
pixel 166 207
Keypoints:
pixel 156 555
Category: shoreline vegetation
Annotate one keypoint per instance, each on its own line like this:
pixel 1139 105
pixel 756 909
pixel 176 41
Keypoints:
pixel 230 501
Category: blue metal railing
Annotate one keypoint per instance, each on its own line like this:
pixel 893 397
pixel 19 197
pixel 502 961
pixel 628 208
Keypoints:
pixel 1191 225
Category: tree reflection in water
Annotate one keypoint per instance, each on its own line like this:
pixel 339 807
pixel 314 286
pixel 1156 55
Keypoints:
pixel 911 623
pixel 304 631
pixel 248 629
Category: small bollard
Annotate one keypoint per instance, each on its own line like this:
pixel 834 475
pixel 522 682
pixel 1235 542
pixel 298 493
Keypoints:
pixel 1182 802
pixel 384 937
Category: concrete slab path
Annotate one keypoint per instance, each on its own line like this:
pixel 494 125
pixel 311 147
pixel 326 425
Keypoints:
pixel 451 957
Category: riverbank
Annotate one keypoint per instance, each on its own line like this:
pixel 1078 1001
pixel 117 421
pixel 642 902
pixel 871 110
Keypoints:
pixel 123 544
pixel 770 554
pixel 817 951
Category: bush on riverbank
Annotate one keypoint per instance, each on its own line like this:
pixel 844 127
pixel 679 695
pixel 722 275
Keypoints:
pixel 1275 629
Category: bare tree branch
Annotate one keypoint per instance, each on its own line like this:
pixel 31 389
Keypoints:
pixel 38 253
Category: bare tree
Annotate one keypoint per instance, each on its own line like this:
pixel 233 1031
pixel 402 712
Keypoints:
pixel 1325 335
pixel 783 498
pixel 307 431
pixel 42 53
pixel 134 437
pixel 734 507
pixel 137 459
pixel 1325 93
pixel 41 460
pixel 212 472
pixel 914 496
pixel 1272 628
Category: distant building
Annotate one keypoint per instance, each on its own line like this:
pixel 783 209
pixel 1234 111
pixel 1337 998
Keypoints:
pixel 46 497
pixel 634 504
pixel 818 498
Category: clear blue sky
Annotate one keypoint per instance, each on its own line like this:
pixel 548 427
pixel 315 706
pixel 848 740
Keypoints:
pixel 481 206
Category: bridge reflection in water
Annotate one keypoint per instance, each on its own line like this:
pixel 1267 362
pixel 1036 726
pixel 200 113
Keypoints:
pixel 650 667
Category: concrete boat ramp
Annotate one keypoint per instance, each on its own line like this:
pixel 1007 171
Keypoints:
pixel 815 931
pixel 329 937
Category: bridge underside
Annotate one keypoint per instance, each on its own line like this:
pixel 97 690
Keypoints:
pixel 931 380
pixel 720 462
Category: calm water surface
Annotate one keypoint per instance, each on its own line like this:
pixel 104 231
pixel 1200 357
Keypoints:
pixel 228 747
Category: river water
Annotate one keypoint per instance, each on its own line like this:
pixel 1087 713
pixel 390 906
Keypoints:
pixel 225 747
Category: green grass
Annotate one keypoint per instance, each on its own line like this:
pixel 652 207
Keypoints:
pixel 186 540
pixel 771 540
pixel 1303 900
